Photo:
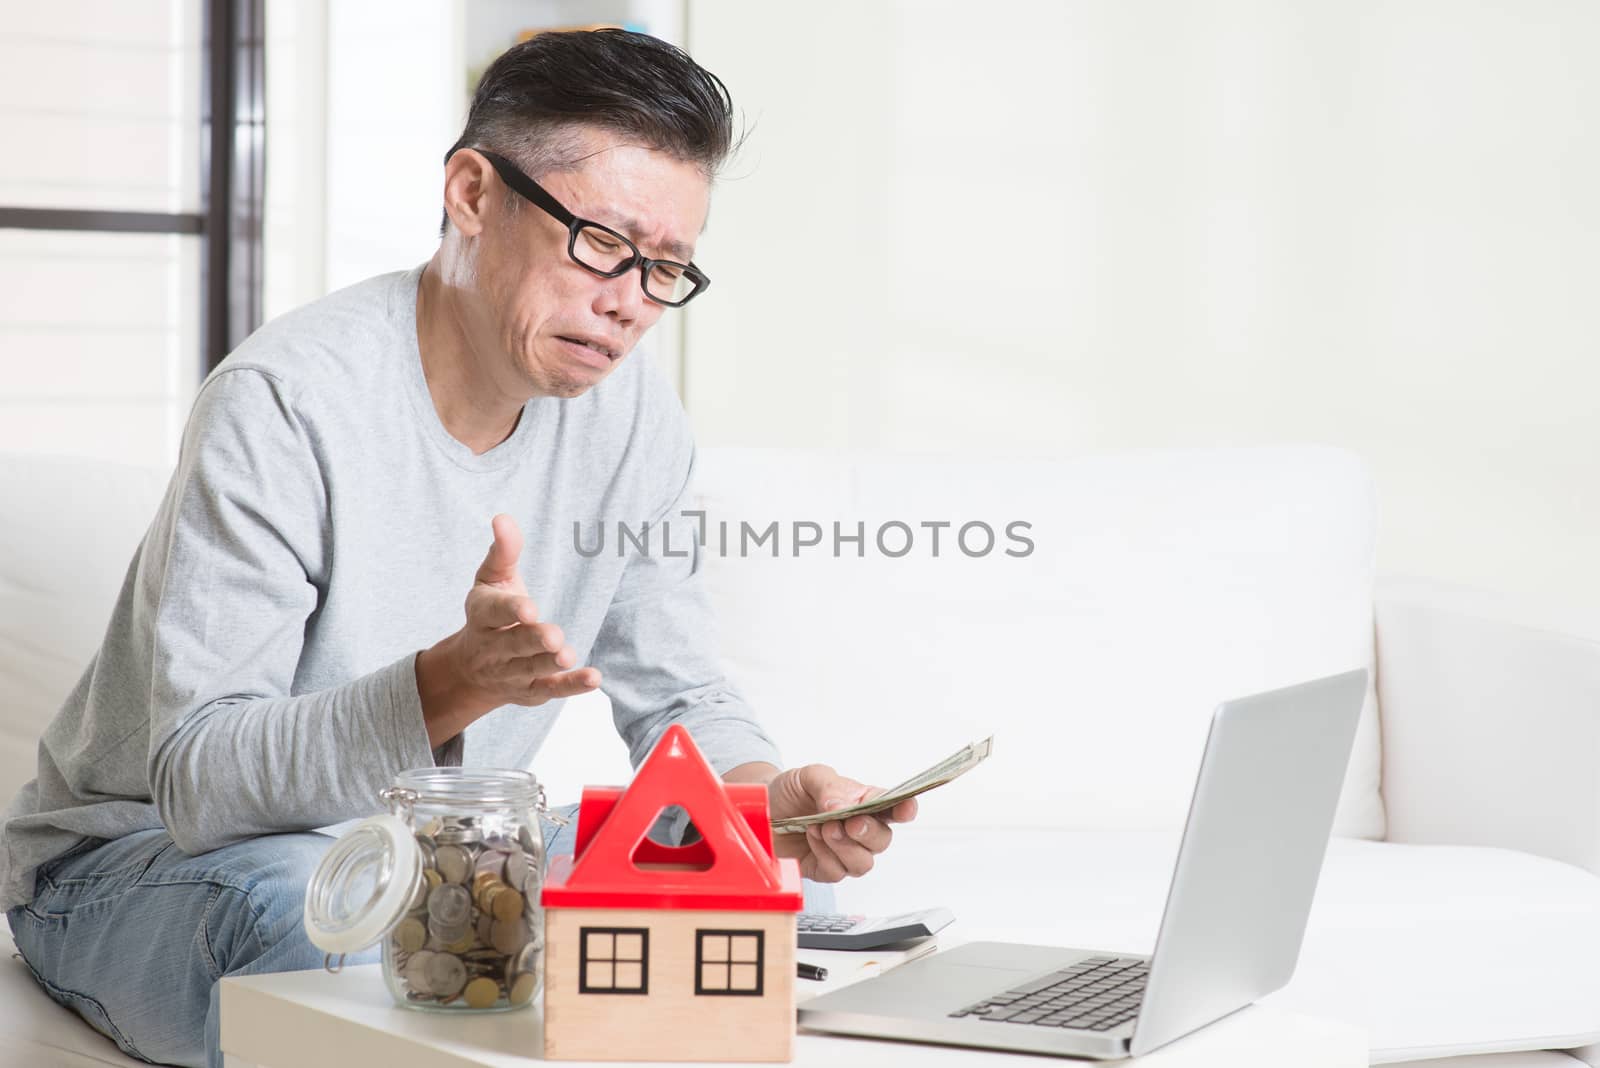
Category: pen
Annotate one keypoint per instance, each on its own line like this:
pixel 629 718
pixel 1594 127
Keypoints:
pixel 810 971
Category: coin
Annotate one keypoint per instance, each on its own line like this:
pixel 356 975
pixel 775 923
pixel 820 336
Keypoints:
pixel 485 897
pixel 419 896
pixel 522 988
pixel 506 905
pixel 459 830
pixel 491 862
pixel 449 905
pixel 454 863
pixel 460 945
pixel 410 935
pixel 510 937
pixel 432 878
pixel 446 975
pixel 484 924
pixel 416 973
pixel 482 993
pixel 516 868
pixel 441 935
pixel 425 846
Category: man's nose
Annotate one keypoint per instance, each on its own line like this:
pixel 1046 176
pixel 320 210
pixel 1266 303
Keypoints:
pixel 621 298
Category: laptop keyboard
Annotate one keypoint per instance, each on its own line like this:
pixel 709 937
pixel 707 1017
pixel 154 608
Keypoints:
pixel 1096 994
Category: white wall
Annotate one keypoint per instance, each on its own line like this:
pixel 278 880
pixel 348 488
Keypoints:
pixel 364 97
pixel 294 224
pixel 394 105
pixel 1080 226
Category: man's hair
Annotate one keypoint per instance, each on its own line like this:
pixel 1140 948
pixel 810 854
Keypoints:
pixel 532 101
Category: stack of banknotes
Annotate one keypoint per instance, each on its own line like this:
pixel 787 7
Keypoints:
pixel 952 767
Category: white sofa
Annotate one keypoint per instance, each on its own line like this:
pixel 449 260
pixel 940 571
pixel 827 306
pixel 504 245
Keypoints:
pixel 1459 910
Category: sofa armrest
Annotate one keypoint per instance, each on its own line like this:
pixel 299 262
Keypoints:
pixel 1490 714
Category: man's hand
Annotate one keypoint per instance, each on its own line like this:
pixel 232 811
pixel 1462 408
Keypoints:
pixel 503 655
pixel 830 851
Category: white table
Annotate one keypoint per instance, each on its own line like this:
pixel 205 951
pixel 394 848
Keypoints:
pixel 318 1020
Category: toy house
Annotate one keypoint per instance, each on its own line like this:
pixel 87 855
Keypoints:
pixel 671 953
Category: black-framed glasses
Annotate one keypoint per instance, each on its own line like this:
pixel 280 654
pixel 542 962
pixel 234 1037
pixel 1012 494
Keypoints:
pixel 600 250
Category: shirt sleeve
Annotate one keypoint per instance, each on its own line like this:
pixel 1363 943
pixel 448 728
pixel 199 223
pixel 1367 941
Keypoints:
pixel 656 648
pixel 230 577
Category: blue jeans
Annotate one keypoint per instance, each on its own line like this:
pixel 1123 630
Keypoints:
pixel 133 934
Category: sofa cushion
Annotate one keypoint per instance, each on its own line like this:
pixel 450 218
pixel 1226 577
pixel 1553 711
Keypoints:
pixel 1157 584
pixel 1539 1059
pixel 1435 950
pixel 68 530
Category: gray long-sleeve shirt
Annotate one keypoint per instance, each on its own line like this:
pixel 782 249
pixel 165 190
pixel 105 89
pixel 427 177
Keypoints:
pixel 321 527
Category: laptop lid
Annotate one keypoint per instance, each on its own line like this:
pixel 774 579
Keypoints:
pixel 1252 850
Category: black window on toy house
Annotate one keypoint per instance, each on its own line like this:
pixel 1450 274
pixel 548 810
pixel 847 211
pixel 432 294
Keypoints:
pixel 728 963
pixel 616 960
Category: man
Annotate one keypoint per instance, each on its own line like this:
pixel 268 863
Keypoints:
pixel 290 634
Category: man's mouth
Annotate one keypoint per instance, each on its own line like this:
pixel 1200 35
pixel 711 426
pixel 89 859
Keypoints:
pixel 608 353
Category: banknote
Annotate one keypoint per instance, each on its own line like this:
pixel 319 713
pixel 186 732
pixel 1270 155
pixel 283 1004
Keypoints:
pixel 954 766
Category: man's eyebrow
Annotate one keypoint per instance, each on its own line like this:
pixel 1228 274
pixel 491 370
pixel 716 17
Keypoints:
pixel 631 228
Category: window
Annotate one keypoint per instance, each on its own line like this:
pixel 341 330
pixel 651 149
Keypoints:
pixel 616 960
pixel 130 234
pixel 728 963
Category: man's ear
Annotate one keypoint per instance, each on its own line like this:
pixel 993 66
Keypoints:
pixel 466 194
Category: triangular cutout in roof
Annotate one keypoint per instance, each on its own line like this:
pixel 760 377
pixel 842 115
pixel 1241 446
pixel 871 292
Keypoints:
pixel 736 866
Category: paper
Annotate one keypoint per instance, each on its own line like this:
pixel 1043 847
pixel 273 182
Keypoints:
pixel 846 966
pixel 952 767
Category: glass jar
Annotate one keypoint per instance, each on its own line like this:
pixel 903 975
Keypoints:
pixel 449 881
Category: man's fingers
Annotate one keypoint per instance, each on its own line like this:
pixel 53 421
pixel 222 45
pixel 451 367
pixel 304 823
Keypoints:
pixel 825 866
pixel 856 858
pixel 822 784
pixel 871 833
pixel 837 853
pixel 904 812
pixel 570 684
pixel 497 609
pixel 500 565
pixel 534 639
pixel 537 667
pixel 543 664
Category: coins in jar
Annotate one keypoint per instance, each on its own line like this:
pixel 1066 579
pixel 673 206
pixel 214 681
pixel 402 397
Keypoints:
pixel 470 936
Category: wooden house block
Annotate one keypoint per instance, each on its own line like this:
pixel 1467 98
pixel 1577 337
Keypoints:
pixel 667 953
pixel 669 985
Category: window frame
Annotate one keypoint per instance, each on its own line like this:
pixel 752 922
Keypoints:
pixel 700 938
pixel 584 960
pixel 232 182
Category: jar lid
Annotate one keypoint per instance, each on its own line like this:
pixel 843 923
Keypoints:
pixel 363 885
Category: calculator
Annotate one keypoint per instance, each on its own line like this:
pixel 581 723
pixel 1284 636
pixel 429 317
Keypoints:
pixel 837 930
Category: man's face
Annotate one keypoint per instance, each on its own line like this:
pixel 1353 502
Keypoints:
pixel 551 315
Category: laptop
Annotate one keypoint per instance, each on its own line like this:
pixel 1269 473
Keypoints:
pixel 1236 910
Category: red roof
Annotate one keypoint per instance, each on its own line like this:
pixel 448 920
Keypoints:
pixel 616 865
